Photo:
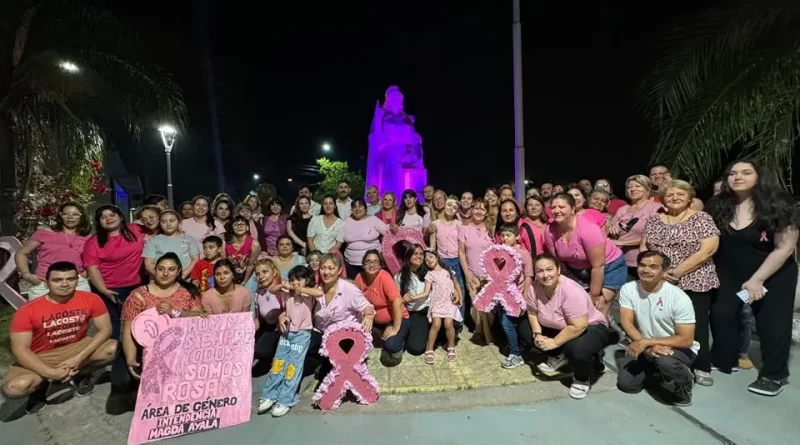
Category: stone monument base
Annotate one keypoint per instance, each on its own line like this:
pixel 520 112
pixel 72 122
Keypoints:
pixel 411 178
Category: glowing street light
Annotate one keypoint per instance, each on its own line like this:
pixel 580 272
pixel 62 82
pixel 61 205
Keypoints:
pixel 256 177
pixel 289 180
pixel 69 67
pixel 168 135
pixel 326 147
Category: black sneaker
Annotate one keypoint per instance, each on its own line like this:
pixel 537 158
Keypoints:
pixel 84 385
pixel 37 399
pixel 683 395
pixel 13 409
pixel 767 387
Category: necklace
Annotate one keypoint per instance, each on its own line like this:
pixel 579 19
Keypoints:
pixel 70 243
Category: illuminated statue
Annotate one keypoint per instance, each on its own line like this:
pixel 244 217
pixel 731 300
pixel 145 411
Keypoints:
pixel 394 160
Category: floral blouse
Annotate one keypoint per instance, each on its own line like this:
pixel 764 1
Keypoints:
pixel 325 237
pixel 679 242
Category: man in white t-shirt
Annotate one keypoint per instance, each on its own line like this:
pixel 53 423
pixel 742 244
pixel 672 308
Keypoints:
pixel 373 201
pixel 659 319
pixel 343 201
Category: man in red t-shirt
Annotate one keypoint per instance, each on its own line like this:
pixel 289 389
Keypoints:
pixel 50 343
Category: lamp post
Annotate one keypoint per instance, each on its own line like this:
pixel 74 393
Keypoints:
pixel 168 135
pixel 519 144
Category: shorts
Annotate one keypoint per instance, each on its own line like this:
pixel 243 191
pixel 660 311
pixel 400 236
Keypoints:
pixel 615 275
pixel 55 357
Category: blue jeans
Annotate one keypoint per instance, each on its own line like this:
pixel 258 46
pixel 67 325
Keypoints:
pixel 115 308
pixel 514 327
pixel 396 343
pixel 287 369
pixel 748 324
pixel 455 265
pixel 252 286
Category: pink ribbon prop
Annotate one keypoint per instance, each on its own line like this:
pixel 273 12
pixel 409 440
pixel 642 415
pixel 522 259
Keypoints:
pixel 349 370
pixel 11 245
pixel 502 283
pixel 159 371
pixel 411 235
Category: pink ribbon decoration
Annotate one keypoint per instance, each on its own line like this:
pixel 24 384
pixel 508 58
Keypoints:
pixel 764 238
pixel 349 371
pixel 409 234
pixel 158 371
pixel 10 245
pixel 502 283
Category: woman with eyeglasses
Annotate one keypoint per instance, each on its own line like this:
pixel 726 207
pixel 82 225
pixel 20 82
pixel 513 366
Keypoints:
pixel 627 225
pixel 63 242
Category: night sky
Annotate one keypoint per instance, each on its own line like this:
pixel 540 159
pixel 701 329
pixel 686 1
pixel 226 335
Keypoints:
pixel 289 79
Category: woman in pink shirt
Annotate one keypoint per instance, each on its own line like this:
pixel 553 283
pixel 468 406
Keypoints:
pixel 342 301
pixel 64 242
pixel 202 223
pixel 565 325
pixel 537 219
pixel 581 208
pixel 226 296
pixel 627 226
pixel 388 211
pixel 474 237
pixel 444 240
pixel 362 233
pixel 113 260
pixel 582 247
pixel 274 225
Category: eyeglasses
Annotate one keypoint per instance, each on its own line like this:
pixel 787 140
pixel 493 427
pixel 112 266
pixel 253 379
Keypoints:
pixel 372 263
pixel 70 215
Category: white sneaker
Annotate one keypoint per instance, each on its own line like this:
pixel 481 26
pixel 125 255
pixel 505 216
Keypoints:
pixel 579 390
pixel 553 364
pixel 280 410
pixel 265 405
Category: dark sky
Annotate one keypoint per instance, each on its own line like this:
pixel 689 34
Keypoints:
pixel 289 79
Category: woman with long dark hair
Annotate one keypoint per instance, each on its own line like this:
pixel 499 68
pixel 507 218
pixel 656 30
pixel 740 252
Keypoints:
pixel 411 283
pixel 113 260
pixel 758 221
pixel 411 213
pixel 202 224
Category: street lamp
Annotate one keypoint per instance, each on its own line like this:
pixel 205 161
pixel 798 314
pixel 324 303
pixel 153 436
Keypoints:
pixel 69 67
pixel 168 135
pixel 326 147
pixel 289 180
pixel 256 177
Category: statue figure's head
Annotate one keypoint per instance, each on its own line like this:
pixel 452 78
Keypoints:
pixel 393 101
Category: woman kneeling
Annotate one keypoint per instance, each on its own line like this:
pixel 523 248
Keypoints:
pixel 566 325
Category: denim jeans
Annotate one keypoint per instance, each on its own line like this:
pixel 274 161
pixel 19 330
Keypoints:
pixel 396 343
pixel 115 308
pixel 252 286
pixel 748 324
pixel 287 369
pixel 455 265
pixel 516 327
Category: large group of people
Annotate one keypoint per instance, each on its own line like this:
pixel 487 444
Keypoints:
pixel 682 272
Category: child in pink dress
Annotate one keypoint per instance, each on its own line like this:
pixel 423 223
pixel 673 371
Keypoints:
pixel 445 299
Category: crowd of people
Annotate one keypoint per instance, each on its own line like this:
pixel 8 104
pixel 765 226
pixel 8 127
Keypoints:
pixel 682 273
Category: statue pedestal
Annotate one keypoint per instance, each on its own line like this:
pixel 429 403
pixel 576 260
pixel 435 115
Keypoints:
pixel 412 178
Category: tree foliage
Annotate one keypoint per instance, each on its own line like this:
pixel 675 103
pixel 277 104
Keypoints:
pixel 334 172
pixel 727 82
pixel 52 118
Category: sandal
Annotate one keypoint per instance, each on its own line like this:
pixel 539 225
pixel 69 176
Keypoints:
pixel 429 357
pixel 451 354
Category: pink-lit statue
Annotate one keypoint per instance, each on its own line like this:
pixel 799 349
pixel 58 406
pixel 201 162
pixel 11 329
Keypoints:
pixel 394 160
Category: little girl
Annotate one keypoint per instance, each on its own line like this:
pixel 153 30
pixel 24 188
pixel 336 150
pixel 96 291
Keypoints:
pixel 445 299
pixel 172 240
pixel 444 240
pixel 312 259
pixel 295 324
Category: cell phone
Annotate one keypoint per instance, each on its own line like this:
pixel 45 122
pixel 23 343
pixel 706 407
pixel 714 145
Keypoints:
pixel 745 296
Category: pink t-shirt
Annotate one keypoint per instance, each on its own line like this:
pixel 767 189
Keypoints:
pixel 623 217
pixel 538 236
pixel 585 236
pixel 298 311
pixel 347 305
pixel 58 246
pixel 361 236
pixel 240 301
pixel 447 238
pixel 569 301
pixel 199 231
pixel 527 266
pixel 594 216
pixel 476 239
pixel 120 260
pixel 269 306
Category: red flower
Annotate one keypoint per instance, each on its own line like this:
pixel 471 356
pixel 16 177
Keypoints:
pixel 96 165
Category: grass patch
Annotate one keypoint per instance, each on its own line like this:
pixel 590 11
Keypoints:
pixel 6 312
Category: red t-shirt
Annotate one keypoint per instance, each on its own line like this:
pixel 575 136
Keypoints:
pixel 203 272
pixel 55 325
pixel 119 260
pixel 381 293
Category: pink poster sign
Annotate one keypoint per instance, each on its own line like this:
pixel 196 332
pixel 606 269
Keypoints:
pixel 196 375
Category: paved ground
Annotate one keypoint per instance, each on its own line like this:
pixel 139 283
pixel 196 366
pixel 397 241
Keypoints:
pixel 529 413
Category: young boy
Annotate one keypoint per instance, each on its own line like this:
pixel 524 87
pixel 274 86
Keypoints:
pixel 203 272
pixel 517 323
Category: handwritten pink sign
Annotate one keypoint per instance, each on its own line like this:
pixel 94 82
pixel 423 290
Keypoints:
pixel 196 374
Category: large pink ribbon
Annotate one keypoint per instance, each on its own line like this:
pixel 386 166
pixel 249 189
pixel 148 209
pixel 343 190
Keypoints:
pixel 159 371
pixel 349 370
pixel 502 283
pixel 11 245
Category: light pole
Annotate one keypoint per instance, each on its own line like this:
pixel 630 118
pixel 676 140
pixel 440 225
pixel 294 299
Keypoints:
pixel 519 143
pixel 168 135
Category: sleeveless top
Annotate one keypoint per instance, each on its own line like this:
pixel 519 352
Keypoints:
pixel 239 257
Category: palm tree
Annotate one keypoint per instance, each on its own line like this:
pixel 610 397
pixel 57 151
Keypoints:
pixel 728 83
pixel 66 72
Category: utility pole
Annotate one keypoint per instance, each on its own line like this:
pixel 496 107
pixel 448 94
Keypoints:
pixel 519 143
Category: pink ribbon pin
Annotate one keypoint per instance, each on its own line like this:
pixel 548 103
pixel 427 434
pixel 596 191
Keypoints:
pixel 764 238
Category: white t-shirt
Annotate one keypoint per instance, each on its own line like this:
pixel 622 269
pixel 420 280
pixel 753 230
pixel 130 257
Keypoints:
pixel 415 287
pixel 656 314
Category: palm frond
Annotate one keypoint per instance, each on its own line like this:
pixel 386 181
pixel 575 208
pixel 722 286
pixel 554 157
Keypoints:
pixel 728 80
